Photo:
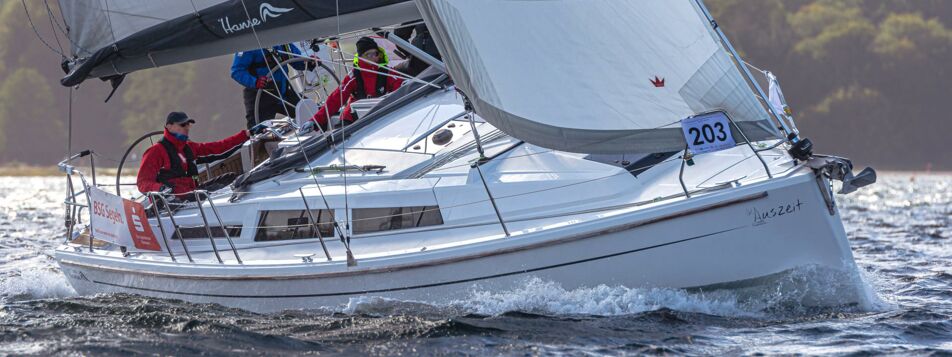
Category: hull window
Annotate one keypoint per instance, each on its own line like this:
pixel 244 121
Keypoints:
pixel 369 220
pixel 293 224
pixel 201 233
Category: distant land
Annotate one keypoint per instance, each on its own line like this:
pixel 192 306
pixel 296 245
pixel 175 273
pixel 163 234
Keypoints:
pixel 866 79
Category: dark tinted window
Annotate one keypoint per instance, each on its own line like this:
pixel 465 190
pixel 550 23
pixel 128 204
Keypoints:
pixel 634 163
pixel 200 232
pixel 369 220
pixel 293 224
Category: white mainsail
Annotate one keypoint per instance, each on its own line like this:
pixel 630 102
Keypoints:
pixel 114 37
pixel 608 76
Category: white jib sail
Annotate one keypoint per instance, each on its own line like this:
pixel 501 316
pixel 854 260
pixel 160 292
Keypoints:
pixel 607 76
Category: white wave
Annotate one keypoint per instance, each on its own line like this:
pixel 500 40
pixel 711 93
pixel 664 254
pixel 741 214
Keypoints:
pixel 874 287
pixel 793 293
pixel 546 297
pixel 34 278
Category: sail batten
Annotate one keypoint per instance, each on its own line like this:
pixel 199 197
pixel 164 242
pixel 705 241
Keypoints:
pixel 112 37
pixel 606 76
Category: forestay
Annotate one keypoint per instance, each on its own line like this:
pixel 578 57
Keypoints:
pixel 112 37
pixel 612 76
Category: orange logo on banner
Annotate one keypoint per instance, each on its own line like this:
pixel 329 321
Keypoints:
pixel 142 235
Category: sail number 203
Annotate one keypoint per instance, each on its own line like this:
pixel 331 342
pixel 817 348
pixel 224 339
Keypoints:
pixel 708 132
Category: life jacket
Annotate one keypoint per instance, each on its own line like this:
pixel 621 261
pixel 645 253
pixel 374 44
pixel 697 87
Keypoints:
pixel 381 85
pixel 175 164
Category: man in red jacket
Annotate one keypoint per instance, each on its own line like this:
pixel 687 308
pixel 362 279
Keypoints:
pixel 169 165
pixel 359 84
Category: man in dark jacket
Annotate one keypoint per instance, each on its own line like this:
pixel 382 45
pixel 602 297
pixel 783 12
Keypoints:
pixel 169 165
pixel 360 83
pixel 424 41
pixel 252 69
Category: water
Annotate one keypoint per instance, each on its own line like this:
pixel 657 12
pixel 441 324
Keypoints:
pixel 899 230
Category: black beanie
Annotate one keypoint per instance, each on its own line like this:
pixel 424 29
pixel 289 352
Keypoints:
pixel 365 44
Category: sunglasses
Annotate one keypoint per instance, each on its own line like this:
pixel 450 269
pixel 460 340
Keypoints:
pixel 185 124
pixel 372 53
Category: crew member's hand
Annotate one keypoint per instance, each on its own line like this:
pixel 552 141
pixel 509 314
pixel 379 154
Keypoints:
pixel 312 64
pixel 257 129
pixel 262 82
pixel 307 127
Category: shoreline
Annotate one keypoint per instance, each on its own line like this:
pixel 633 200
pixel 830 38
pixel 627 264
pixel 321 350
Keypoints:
pixel 22 170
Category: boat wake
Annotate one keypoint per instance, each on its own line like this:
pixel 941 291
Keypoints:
pixel 804 291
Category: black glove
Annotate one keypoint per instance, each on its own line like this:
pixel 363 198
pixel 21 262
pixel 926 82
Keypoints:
pixel 312 64
pixel 257 129
pixel 307 127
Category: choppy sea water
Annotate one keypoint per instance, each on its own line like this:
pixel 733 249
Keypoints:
pixel 900 230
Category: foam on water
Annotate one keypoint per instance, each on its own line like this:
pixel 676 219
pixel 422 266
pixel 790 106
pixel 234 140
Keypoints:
pixel 33 278
pixel 549 298
pixel 797 292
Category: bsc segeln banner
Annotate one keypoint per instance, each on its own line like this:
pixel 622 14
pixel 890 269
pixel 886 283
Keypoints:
pixel 121 221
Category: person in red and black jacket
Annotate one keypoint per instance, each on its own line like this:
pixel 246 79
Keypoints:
pixel 359 84
pixel 169 165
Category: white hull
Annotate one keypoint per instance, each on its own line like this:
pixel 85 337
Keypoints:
pixel 715 238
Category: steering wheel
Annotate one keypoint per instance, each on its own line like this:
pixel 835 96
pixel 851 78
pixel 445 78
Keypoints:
pixel 150 137
pixel 317 89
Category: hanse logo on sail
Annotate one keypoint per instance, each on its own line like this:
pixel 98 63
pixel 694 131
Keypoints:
pixel 266 10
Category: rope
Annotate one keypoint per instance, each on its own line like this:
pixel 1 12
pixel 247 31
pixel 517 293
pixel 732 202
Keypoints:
pixel 30 19
pixel 49 13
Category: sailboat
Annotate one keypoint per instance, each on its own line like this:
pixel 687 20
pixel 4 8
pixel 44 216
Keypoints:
pixel 614 142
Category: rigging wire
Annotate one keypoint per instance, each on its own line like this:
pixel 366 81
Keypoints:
pixel 304 152
pixel 35 31
pixel 69 123
pixel 343 135
pixel 64 30
pixel 49 13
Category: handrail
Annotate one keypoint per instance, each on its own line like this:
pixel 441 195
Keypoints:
pixel 208 229
pixel 158 220
pixel 175 225
pixel 221 224
pixel 684 160
pixel 89 199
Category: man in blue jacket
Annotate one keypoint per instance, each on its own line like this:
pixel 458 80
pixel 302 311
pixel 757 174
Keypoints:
pixel 252 69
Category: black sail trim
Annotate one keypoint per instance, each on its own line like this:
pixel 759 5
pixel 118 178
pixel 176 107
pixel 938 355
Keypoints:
pixel 191 30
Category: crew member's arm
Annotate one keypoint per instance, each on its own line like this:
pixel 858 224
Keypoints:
pixel 333 102
pixel 152 160
pixel 393 82
pixel 239 69
pixel 218 147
